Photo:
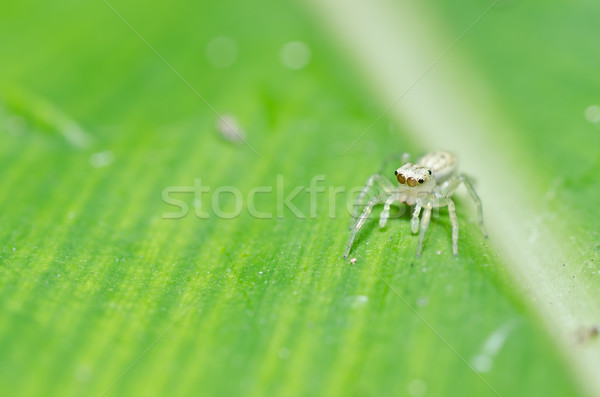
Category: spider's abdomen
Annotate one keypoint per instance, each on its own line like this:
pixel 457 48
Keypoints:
pixel 442 163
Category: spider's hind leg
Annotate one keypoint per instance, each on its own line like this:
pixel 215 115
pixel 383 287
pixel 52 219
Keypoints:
pixel 469 185
pixel 391 162
pixel 450 186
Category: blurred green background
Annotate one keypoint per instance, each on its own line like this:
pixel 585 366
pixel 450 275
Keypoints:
pixel 103 105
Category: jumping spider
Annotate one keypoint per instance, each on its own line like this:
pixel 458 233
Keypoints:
pixel 428 184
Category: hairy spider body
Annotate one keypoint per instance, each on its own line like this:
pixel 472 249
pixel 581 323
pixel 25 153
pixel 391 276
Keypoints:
pixel 427 184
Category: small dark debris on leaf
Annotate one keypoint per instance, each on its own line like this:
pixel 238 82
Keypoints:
pixel 585 334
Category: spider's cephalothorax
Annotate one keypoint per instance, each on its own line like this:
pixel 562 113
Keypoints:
pixel 428 184
pixel 414 181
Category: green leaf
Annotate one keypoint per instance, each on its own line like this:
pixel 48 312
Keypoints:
pixel 105 106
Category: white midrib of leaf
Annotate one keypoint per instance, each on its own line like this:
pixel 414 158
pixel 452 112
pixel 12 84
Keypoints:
pixel 394 48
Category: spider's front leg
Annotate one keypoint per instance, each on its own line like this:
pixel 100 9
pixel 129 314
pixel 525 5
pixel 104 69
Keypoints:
pixel 414 222
pixel 385 214
pixel 361 221
pixel 378 179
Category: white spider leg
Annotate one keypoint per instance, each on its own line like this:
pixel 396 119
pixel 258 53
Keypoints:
pixel 454 223
pixel 423 198
pixel 467 182
pixel 449 187
pixel 414 222
pixel 394 159
pixel 383 182
pixel 424 225
pixel 405 158
pixel 360 222
pixel 385 214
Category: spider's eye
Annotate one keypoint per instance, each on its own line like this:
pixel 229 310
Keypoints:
pixel 420 180
pixel 401 178
pixel 396 172
pixel 412 182
pixel 429 172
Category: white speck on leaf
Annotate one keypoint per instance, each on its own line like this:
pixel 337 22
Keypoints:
pixel 102 159
pixel 83 373
pixel 229 128
pixel 295 55
pixel 482 363
pixel 221 52
pixel 592 114
pixel 422 301
pixel 358 301
pixel 284 353
pixel 417 388
pixel 484 360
